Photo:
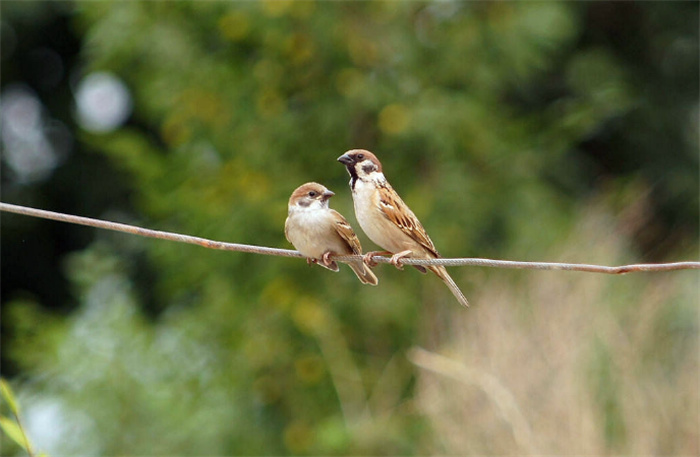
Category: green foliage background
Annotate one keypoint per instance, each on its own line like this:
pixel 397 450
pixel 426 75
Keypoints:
pixel 554 131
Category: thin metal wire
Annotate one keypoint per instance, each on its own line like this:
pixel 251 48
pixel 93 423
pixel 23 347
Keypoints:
pixel 538 265
pixel 134 230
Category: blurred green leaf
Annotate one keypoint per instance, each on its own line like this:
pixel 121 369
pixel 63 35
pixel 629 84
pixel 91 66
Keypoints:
pixel 9 396
pixel 14 431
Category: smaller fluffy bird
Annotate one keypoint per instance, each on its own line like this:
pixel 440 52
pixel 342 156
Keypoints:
pixel 317 231
pixel 387 220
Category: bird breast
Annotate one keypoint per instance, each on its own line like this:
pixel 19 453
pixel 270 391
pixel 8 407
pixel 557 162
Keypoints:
pixel 376 226
pixel 313 233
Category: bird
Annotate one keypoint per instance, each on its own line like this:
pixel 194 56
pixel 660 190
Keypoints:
pixel 318 232
pixel 387 220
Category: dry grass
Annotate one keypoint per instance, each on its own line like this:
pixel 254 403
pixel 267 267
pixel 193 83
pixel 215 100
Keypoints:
pixel 568 363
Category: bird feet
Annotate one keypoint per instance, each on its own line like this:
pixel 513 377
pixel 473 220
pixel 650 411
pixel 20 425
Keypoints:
pixel 367 258
pixel 396 258
pixel 326 259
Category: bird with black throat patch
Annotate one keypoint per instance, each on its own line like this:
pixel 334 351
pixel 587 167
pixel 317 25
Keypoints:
pixel 387 220
pixel 319 232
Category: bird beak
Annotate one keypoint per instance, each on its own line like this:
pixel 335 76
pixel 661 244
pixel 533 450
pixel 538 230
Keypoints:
pixel 345 159
pixel 327 194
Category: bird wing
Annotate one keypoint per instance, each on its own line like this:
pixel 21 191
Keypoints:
pixel 346 233
pixel 394 209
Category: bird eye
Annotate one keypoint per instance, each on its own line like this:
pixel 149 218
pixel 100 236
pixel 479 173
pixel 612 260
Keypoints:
pixel 360 156
pixel 313 193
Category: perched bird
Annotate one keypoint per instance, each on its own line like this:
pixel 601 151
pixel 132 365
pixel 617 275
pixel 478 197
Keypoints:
pixel 317 231
pixel 387 220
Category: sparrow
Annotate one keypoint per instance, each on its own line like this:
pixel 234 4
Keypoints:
pixel 387 220
pixel 318 232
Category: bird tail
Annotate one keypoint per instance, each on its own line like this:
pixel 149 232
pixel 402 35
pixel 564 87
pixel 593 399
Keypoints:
pixel 364 274
pixel 441 272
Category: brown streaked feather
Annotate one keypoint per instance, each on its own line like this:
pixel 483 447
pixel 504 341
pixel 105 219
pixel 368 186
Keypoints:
pixel 347 234
pixel 394 209
pixel 342 227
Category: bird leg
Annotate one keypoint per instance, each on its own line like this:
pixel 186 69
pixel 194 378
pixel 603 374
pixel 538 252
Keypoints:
pixel 396 258
pixel 309 261
pixel 367 258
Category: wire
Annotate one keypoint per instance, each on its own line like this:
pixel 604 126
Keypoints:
pixel 134 230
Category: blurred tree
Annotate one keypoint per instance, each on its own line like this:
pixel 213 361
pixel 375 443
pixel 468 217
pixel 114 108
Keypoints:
pixel 496 121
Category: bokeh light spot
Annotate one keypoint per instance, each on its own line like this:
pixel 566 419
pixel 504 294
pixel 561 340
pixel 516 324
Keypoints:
pixel 276 8
pixel 310 317
pixel 103 102
pixel 26 149
pixel 234 26
pixel 394 119
pixel 298 437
